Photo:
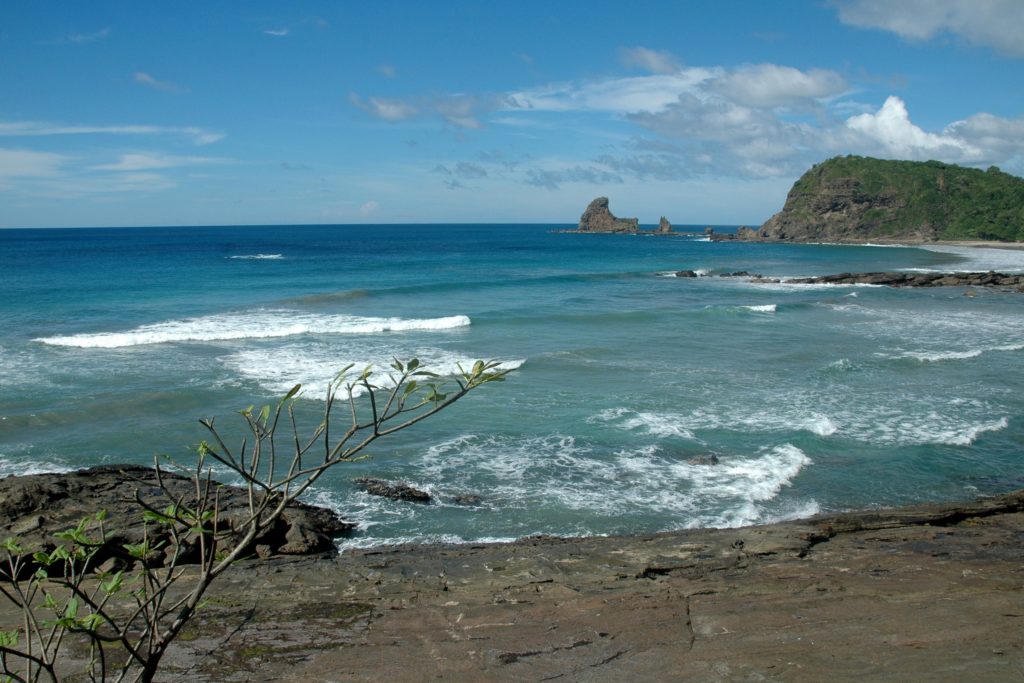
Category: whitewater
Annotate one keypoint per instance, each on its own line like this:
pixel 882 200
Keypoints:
pixel 639 401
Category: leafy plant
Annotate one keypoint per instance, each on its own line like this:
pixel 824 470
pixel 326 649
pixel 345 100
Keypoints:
pixel 129 619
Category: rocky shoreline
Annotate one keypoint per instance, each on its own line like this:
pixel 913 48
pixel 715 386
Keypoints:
pixel 930 592
pixel 1010 281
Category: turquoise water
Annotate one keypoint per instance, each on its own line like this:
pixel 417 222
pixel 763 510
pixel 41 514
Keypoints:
pixel 814 398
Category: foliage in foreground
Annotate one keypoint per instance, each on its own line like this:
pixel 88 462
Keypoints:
pixel 129 620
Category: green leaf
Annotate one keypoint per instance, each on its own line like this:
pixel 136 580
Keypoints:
pixel 291 392
pixel 9 639
pixel 413 364
pixel 397 365
pixel 71 611
pixel 478 367
pixel 113 585
pixel 264 414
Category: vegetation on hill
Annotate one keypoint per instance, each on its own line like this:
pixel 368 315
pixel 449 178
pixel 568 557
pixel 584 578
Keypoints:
pixel 860 197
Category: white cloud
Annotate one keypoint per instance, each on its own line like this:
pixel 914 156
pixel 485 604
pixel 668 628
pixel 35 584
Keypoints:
pixel 382 108
pixel 277 32
pixel 25 163
pixel 199 136
pixel 386 70
pixel 650 94
pixel 650 60
pixel 368 208
pixel 998 137
pixel 772 85
pixel 83 38
pixel 144 78
pixel 997 24
pixel 890 131
pixel 146 162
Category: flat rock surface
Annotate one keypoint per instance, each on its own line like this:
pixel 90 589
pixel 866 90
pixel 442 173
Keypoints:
pixel 934 593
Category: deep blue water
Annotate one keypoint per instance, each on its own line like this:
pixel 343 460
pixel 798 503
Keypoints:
pixel 113 342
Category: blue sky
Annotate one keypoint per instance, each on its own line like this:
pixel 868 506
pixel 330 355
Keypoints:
pixel 198 113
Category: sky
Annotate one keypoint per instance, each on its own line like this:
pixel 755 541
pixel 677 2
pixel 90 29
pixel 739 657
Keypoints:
pixel 215 113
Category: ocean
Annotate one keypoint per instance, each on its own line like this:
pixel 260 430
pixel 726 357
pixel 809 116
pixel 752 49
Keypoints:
pixel 812 398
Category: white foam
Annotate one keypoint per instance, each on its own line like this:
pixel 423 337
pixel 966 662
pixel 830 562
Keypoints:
pixel 259 324
pixel 313 365
pixel 19 467
pixel 968 436
pixel 258 257
pixel 982 258
pixel 558 472
pixel 712 418
pixel 763 308
pixel 820 425
pixel 937 356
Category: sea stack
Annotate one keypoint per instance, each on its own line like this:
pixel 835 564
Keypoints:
pixel 598 218
pixel 664 227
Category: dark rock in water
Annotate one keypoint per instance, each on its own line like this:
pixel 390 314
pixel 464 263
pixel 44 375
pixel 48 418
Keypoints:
pixel 740 273
pixel 709 230
pixel 468 499
pixel 34 507
pixel 707 459
pixel 899 279
pixel 394 491
pixel 686 273
pixel 598 218
pixel 745 233
pixel 664 227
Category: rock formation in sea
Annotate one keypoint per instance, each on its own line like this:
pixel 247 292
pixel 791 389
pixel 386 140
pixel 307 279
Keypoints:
pixel 860 199
pixel 598 218
pixel 664 227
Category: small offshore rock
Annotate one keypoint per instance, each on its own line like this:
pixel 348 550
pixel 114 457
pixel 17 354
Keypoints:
pixel 469 499
pixel 394 491
pixel 706 459
pixel 686 273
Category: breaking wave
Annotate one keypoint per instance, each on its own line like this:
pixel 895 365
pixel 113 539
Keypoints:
pixel 263 324
pixel 257 257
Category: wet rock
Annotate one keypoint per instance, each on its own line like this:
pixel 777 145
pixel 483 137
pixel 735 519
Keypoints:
pixel 394 491
pixel 468 499
pixel 900 279
pixel 705 459
pixel 35 507
pixel 686 273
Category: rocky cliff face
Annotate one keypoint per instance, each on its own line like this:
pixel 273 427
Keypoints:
pixel 860 199
pixel 664 227
pixel 822 208
pixel 598 218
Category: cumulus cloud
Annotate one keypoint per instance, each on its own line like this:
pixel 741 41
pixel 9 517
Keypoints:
pixel 772 85
pixel 199 136
pixel 998 24
pixel 650 60
pixel 890 132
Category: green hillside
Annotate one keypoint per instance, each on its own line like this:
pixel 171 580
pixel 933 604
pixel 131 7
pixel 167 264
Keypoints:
pixel 894 198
